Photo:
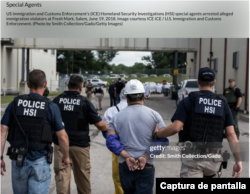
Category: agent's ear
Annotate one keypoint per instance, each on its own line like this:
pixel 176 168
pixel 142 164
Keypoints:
pixel 45 84
pixel 214 83
pixel 80 89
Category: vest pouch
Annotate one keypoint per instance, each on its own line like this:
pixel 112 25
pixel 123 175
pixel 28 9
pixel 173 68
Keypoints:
pixel 47 133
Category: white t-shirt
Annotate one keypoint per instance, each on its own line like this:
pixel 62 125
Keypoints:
pixel 112 111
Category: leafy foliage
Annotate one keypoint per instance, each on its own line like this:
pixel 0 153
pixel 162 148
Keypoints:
pixel 75 61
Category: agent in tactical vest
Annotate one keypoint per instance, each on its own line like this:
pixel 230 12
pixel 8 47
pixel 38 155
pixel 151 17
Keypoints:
pixel 203 116
pixel 99 94
pixel 30 121
pixel 77 113
pixel 89 91
pixel 234 98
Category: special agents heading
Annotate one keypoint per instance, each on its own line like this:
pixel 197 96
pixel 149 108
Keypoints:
pixel 22 4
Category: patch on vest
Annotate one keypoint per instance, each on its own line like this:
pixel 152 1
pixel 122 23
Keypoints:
pixel 31 108
pixel 212 106
pixel 70 104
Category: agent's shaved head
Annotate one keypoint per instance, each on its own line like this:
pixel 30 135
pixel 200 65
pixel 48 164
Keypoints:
pixel 37 78
pixel 75 82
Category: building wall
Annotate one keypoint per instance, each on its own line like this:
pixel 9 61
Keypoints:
pixel 218 53
pixel 218 49
pixel 11 68
pixel 190 71
pixel 1 70
pixel 45 61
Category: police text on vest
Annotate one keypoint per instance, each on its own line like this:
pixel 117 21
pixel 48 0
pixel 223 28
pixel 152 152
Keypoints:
pixel 30 106
pixel 210 104
pixel 69 103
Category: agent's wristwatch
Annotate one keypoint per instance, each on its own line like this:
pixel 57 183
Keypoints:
pixel 1 157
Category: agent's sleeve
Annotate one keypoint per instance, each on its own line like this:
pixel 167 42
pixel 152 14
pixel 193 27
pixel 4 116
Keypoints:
pixel 238 93
pixel 91 113
pixel 180 113
pixel 55 117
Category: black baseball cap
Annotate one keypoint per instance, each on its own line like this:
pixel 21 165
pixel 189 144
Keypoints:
pixel 206 74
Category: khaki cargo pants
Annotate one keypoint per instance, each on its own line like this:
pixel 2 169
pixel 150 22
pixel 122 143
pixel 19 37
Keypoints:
pixel 80 164
pixel 89 96
pixel 191 168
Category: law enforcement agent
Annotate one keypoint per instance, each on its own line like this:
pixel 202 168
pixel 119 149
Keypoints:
pixel 89 91
pixel 77 113
pixel 234 98
pixel 30 121
pixel 99 94
pixel 203 116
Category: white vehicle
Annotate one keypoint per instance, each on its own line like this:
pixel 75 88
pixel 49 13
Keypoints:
pixel 188 85
pixel 123 76
pixel 114 76
pixel 166 75
pixel 96 82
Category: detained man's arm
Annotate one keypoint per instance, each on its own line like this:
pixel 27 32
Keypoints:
pixel 102 126
pixel 64 145
pixel 170 130
pixel 123 153
pixel 4 131
pixel 115 92
pixel 115 146
pixel 235 148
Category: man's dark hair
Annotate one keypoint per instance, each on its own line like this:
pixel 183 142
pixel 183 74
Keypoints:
pixel 36 79
pixel 206 84
pixel 75 82
pixel 135 97
pixel 119 79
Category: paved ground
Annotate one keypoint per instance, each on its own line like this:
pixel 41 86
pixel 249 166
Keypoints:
pixel 101 158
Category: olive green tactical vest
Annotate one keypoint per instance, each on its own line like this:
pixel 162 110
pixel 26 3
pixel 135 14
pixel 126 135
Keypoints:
pixel 89 87
pixel 230 96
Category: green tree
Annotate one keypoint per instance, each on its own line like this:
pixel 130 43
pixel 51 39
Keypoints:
pixel 76 60
pixel 104 58
pixel 161 60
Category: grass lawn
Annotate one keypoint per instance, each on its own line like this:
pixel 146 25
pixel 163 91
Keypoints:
pixel 54 93
pixel 145 79
pixel 6 99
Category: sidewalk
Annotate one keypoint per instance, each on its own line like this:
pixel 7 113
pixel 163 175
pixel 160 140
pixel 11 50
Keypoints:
pixel 244 117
